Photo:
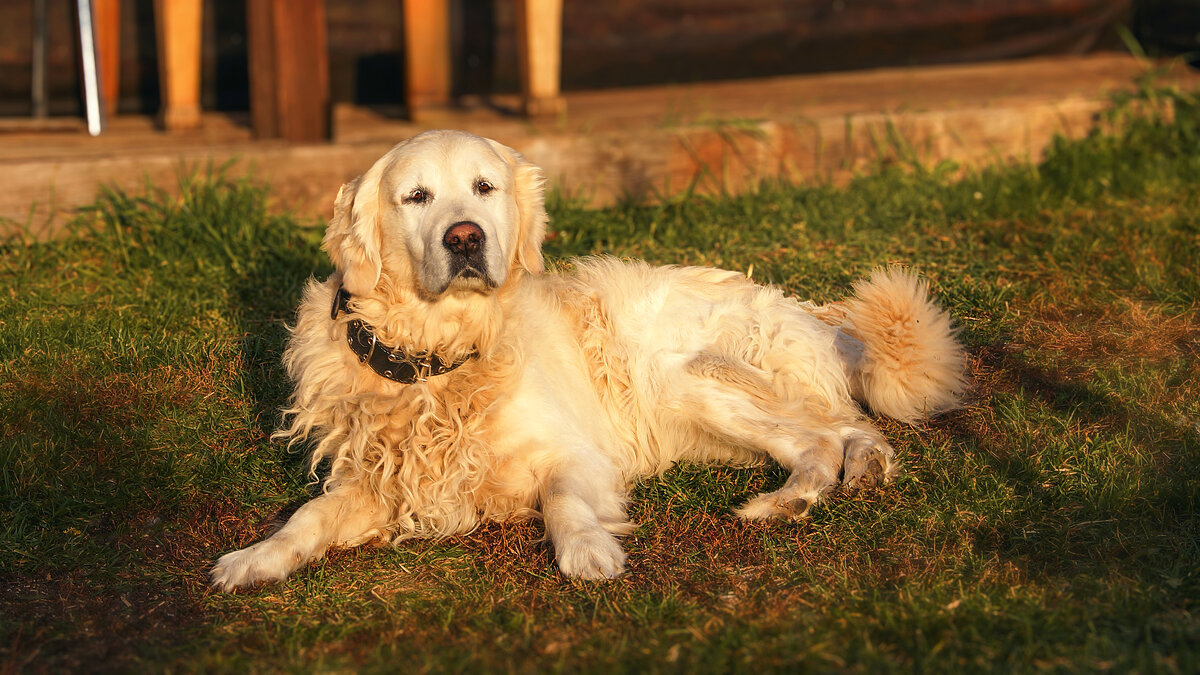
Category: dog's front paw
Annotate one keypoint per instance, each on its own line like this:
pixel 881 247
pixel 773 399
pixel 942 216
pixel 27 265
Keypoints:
pixel 594 554
pixel 264 561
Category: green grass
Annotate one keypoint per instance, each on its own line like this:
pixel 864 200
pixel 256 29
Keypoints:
pixel 1050 525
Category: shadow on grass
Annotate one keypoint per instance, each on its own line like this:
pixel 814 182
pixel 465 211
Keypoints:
pixel 1100 486
pixel 145 353
pixel 94 519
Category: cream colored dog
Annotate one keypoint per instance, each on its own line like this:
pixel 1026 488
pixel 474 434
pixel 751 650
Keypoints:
pixel 449 381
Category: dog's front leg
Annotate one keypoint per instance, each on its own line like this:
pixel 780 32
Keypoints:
pixel 583 508
pixel 345 515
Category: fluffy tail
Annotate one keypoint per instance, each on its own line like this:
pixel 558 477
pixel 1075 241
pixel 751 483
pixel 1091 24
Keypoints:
pixel 912 365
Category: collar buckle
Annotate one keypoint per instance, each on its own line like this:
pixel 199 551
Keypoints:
pixel 424 367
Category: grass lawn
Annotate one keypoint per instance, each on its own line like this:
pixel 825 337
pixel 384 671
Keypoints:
pixel 1050 525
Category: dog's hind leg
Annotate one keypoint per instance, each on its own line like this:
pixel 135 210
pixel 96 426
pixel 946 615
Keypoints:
pixel 819 446
pixel 345 515
pixel 866 460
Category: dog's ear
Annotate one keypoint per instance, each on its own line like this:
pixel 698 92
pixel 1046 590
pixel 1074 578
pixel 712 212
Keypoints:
pixel 352 238
pixel 529 192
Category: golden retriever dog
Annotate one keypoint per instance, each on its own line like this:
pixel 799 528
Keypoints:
pixel 449 380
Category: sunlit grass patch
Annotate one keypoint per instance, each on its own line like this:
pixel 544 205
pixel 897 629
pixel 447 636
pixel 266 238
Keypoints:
pixel 1049 524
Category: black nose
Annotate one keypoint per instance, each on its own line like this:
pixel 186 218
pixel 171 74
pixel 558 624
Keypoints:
pixel 463 238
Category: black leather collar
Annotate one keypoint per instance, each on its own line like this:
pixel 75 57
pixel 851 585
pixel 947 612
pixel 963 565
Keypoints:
pixel 393 363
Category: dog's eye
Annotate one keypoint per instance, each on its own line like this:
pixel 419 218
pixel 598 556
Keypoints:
pixel 482 187
pixel 417 196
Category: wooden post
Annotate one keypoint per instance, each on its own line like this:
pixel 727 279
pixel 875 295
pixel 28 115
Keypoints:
pixel 178 33
pixel 426 54
pixel 107 16
pixel 539 54
pixel 289 69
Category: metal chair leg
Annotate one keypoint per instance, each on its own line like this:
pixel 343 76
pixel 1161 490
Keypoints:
pixel 91 70
pixel 39 58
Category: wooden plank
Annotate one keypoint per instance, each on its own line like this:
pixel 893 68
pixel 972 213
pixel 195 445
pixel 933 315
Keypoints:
pixel 615 145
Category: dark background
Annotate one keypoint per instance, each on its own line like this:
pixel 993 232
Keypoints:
pixel 606 44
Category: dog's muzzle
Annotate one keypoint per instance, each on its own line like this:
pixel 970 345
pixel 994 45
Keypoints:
pixel 465 242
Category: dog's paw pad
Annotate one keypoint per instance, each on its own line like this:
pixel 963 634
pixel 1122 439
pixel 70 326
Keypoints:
pixel 868 465
pixel 796 507
pixel 872 475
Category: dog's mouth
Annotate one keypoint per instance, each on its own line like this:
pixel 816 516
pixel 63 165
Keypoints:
pixel 470 275
pixel 470 272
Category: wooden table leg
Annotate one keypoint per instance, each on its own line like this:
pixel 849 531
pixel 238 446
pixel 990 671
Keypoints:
pixel 539 51
pixel 289 69
pixel 178 33
pixel 426 54
pixel 107 14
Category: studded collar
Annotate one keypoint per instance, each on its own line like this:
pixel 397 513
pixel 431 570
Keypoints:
pixel 393 363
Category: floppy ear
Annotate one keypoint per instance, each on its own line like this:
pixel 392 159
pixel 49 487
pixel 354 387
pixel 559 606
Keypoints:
pixel 529 192
pixel 352 238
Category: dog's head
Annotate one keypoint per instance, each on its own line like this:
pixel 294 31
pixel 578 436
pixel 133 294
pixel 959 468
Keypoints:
pixel 451 211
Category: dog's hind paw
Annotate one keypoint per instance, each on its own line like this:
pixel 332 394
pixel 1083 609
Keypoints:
pixel 868 463
pixel 775 505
